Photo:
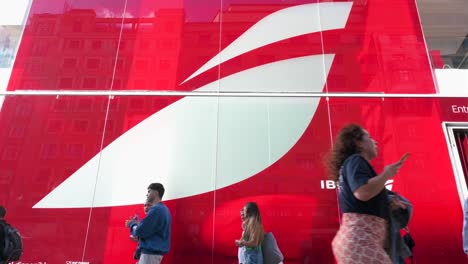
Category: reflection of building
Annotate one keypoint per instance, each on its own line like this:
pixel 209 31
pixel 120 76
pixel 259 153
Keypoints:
pixel 77 50
pixel 204 40
pixel 445 27
pixel 9 37
pixel 459 60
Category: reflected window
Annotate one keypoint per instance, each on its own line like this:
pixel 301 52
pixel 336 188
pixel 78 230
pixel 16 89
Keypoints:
pixel 445 26
pixel 23 109
pixel 29 84
pixel 77 26
pixel 84 104
pixel 93 63
pixel 34 67
pixel 69 63
pixel 164 64
pixel 61 104
pixel 10 153
pixel 65 83
pixel 405 75
pixel 136 103
pixel 97 44
pixel 43 175
pixel 74 151
pixel 45 28
pixel 89 83
pixel 17 132
pixel 74 44
pixel 39 49
pixel 80 126
pixel 55 126
pixel 120 64
pixel 49 151
pixel 6 175
pixel 141 65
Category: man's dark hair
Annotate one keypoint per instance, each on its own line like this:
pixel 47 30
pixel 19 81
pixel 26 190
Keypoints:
pixel 157 187
pixel 2 212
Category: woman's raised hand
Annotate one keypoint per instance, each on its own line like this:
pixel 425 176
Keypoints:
pixel 392 169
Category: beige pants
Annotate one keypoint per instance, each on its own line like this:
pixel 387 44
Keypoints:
pixel 150 259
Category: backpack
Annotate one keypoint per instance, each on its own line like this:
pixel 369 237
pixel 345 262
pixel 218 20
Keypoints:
pixel 271 252
pixel 13 244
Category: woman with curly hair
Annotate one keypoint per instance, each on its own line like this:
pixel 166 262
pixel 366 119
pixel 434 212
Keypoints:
pixel 362 198
pixel 252 235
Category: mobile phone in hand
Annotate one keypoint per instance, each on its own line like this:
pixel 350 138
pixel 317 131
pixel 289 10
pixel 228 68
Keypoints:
pixel 404 157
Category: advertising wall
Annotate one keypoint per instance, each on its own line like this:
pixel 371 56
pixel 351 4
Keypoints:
pixel 254 124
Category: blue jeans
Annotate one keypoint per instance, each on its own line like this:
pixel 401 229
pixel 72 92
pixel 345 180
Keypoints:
pixel 241 255
pixel 253 256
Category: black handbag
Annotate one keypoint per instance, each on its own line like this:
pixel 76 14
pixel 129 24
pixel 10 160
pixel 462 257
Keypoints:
pixel 409 241
pixel 137 253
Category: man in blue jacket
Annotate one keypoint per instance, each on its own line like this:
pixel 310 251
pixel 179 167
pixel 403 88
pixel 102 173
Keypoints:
pixel 154 231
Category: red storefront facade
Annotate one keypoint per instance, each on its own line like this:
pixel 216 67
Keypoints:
pixel 266 86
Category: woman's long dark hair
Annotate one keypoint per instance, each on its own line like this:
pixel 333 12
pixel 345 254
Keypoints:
pixel 345 146
pixel 254 225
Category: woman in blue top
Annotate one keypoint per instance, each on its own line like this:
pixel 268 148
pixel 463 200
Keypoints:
pixel 252 235
pixel 362 198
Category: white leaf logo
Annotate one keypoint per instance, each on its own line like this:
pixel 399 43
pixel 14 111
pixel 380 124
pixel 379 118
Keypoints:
pixel 200 144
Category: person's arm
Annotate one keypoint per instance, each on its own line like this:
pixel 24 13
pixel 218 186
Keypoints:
pixel 146 228
pixel 253 242
pixel 239 241
pixel 376 184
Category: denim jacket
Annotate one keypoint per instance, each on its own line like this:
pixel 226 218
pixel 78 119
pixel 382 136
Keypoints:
pixel 399 218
